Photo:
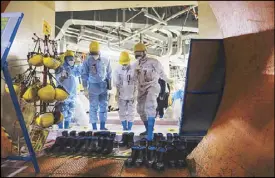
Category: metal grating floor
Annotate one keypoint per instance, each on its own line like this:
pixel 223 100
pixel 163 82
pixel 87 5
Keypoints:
pixel 92 167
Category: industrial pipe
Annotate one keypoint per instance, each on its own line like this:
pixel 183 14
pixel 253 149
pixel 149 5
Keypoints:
pixel 99 33
pixel 179 43
pixel 70 22
pixel 154 26
pixel 170 43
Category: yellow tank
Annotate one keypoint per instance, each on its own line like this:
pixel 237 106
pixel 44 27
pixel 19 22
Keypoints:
pixel 60 94
pixel 47 94
pixel 36 60
pixel 45 120
pixel 30 95
pixel 51 63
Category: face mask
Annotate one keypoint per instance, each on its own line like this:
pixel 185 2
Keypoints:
pixel 138 57
pixel 95 57
pixel 71 63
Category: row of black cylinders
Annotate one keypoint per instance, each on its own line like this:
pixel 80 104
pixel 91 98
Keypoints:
pixel 89 143
pixel 159 153
pixel 85 143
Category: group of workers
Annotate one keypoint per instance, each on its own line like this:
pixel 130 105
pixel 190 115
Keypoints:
pixel 137 87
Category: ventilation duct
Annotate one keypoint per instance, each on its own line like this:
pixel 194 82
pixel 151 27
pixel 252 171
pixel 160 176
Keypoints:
pixel 169 44
pixel 179 43
pixel 153 26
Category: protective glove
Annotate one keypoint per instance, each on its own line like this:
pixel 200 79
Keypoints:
pixel 64 74
pixel 86 93
pixel 170 100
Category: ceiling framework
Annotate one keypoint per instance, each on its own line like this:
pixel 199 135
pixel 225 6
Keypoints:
pixel 161 29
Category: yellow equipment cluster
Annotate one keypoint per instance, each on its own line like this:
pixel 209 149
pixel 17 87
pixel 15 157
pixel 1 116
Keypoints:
pixel 47 94
pixel 39 60
pixel 36 92
pixel 30 88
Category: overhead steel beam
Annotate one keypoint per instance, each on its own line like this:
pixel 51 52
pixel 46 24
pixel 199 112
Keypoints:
pixel 123 17
pixel 124 23
pixel 156 13
pixel 153 26
pixel 159 20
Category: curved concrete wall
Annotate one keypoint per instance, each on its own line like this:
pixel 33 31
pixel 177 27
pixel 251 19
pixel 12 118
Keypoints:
pixel 241 140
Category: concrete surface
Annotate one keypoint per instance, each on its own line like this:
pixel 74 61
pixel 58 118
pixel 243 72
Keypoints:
pixel 241 140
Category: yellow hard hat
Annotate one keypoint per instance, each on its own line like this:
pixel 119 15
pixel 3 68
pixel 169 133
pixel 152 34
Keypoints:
pixel 94 46
pixel 36 60
pixel 61 94
pixel 124 58
pixel 58 117
pixel 139 47
pixel 69 53
pixel 45 120
pixel 47 94
pixel 30 95
pixel 16 88
pixel 51 63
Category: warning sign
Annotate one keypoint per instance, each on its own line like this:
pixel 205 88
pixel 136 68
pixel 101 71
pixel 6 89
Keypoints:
pixel 47 29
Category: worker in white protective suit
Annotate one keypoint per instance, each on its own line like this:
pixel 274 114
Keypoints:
pixel 148 71
pixel 126 85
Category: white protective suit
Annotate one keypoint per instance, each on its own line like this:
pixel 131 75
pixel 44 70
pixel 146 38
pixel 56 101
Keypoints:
pixel 148 71
pixel 124 80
